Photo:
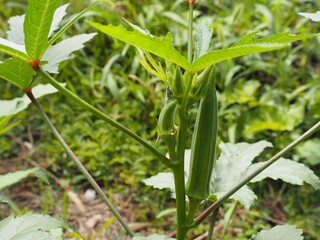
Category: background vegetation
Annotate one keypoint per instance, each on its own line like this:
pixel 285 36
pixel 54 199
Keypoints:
pixel 272 96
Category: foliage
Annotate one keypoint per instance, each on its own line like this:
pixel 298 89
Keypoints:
pixel 116 91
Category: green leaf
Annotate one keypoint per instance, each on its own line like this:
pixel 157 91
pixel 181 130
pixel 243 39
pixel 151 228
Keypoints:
pixel 288 171
pixel 16 34
pixel 30 227
pixel 247 45
pixel 13 49
pixel 62 50
pixel 153 237
pixel 12 178
pixel 203 36
pixel 310 151
pixel 68 25
pixel 147 42
pixel 11 107
pixel 280 232
pixel 37 26
pixel 231 167
pixel 17 71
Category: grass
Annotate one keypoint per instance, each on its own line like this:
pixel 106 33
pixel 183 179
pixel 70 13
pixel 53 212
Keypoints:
pixel 108 75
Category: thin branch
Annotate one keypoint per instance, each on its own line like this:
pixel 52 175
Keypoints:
pixel 248 178
pixel 78 163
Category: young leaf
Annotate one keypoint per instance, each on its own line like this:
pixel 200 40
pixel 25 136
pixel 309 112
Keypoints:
pixel 247 45
pixel 12 178
pixel 288 171
pixel 203 36
pixel 11 107
pixel 280 232
pixel 37 26
pixel 153 237
pixel 16 71
pixel 62 50
pixel 231 168
pixel 147 42
pixel 30 227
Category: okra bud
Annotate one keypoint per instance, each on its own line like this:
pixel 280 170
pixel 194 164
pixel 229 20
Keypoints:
pixel 203 143
pixel 166 126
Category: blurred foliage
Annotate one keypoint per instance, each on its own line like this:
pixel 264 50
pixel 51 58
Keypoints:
pixel 273 96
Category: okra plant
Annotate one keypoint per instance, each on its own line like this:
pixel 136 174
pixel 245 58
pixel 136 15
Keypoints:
pixel 198 177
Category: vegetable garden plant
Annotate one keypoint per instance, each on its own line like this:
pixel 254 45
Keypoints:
pixel 202 178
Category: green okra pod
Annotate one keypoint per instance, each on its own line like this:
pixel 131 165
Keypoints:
pixel 166 127
pixel 203 143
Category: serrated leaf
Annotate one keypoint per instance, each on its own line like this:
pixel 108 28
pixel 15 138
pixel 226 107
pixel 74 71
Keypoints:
pixel 280 232
pixel 153 237
pixel 247 45
pixel 147 42
pixel 57 17
pixel 16 34
pixel 12 178
pixel 310 151
pixel 11 107
pixel 203 36
pixel 231 167
pixel 17 72
pixel 37 26
pixel 312 16
pixel 288 171
pixel 29 227
pixel 161 180
pixel 62 50
pixel 13 49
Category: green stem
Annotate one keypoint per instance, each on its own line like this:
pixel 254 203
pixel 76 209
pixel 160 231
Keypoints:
pixel 78 163
pixel 104 117
pixel 248 178
pixel 190 30
pixel 193 205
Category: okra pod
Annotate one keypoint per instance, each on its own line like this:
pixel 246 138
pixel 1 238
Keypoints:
pixel 203 143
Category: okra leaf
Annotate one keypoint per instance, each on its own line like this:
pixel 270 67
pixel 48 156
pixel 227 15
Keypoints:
pixel 37 26
pixel 288 171
pixel 312 16
pixel 280 232
pixel 62 50
pixel 30 227
pixel 247 45
pixel 153 237
pixel 16 34
pixel 231 167
pixel 16 71
pixel 11 107
pixel 203 36
pixel 309 150
pixel 12 178
pixel 13 49
pixel 147 42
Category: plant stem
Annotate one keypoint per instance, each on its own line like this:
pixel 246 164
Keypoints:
pixel 78 163
pixel 190 30
pixel 104 117
pixel 212 223
pixel 248 178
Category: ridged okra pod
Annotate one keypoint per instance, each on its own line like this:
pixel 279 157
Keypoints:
pixel 203 143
